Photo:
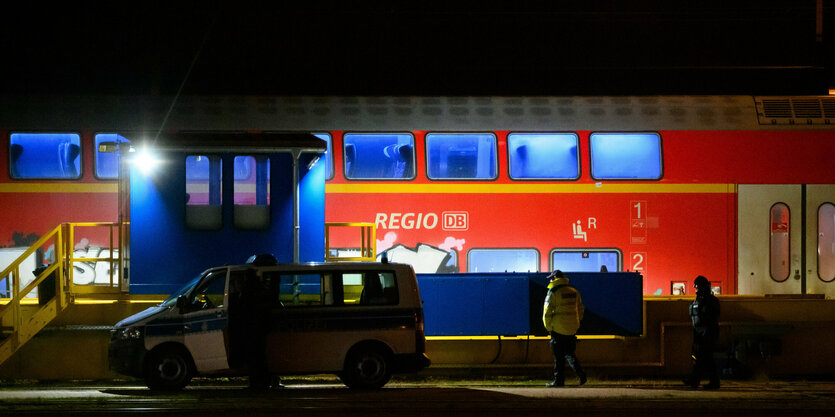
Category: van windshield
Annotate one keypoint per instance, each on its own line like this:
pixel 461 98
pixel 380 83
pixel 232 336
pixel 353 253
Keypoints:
pixel 172 299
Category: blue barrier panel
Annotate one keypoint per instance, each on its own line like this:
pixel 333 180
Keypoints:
pixel 482 304
pixel 613 301
pixel 474 304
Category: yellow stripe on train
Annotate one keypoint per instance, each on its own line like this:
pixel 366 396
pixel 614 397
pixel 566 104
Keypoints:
pixel 63 187
pixel 407 188
pixel 517 188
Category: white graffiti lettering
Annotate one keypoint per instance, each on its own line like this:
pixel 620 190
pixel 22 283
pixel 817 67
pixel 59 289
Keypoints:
pixel 424 259
pixel 94 272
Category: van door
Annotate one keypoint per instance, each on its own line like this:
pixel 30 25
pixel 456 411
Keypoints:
pixel 784 239
pixel 205 320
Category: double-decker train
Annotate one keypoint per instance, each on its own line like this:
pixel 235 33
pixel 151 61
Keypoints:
pixel 739 189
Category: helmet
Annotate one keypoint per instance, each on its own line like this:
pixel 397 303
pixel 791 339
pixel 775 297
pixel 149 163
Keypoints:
pixel 556 274
pixel 263 259
pixel 701 281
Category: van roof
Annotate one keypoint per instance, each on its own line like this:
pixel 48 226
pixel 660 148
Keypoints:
pixel 353 266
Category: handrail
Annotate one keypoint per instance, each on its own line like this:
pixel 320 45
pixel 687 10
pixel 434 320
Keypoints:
pixel 16 327
pixel 23 328
pixel 368 242
pixel 115 262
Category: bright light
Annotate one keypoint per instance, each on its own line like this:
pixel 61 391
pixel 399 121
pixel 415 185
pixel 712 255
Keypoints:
pixel 146 160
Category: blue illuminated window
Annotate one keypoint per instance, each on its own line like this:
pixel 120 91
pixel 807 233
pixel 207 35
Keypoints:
pixel 203 179
pixel 461 156
pixel 252 180
pixel 618 156
pixel 45 155
pixel 543 156
pixel 503 260
pixel 204 192
pixel 252 192
pixel 326 158
pixel 588 260
pixel 107 163
pixel 379 156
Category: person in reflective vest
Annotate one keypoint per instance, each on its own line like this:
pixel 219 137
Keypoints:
pixel 561 315
pixel 704 312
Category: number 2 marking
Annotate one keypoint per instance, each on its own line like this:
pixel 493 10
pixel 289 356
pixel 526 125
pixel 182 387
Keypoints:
pixel 638 259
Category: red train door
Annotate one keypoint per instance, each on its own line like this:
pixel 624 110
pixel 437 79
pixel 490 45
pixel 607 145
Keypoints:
pixel 785 239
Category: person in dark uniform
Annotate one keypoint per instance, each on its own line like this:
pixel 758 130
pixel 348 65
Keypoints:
pixel 561 315
pixel 704 312
pixel 249 315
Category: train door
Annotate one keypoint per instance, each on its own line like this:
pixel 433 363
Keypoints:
pixel 784 239
pixel 820 246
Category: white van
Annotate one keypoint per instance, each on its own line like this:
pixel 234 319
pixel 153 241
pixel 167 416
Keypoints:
pixel 361 321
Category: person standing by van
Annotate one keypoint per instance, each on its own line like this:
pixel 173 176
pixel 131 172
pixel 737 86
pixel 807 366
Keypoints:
pixel 561 315
pixel 704 312
pixel 249 316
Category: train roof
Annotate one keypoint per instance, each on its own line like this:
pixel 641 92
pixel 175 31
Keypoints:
pixel 256 142
pixel 128 114
pixel 329 266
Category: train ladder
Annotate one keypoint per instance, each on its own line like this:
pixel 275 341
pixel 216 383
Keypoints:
pixel 21 318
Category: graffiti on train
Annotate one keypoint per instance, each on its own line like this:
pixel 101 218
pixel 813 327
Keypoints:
pixel 424 258
pixel 91 272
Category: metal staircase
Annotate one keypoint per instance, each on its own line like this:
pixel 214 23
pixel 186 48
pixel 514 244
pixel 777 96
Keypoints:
pixel 22 316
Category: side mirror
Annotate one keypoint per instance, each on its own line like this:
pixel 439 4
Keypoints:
pixel 182 302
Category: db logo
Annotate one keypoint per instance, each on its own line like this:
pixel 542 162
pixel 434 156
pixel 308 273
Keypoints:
pixel 455 220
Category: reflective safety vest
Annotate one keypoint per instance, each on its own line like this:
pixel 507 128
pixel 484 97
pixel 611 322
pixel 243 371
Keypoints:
pixel 563 308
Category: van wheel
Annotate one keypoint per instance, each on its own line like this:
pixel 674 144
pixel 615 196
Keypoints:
pixel 366 369
pixel 168 369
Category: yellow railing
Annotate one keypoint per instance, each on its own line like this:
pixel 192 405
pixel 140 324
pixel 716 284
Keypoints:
pixel 368 242
pixel 19 325
pixel 115 261
pixel 20 320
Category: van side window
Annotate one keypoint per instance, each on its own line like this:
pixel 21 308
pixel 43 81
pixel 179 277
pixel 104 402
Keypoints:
pixel 305 289
pixel 210 293
pixel 369 288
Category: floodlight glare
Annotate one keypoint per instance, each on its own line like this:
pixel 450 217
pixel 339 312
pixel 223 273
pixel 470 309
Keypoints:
pixel 146 160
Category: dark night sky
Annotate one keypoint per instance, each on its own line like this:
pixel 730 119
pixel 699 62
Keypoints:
pixel 417 48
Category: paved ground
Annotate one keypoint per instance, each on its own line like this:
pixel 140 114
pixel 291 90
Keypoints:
pixel 503 396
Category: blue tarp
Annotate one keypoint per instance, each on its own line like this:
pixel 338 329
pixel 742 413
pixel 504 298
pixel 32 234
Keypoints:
pixel 510 304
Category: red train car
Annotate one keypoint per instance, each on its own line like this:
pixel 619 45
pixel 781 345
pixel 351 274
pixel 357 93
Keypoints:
pixel 736 188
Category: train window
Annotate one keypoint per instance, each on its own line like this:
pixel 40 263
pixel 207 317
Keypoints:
pixel 203 192
pixel 503 260
pixel 326 158
pixel 618 156
pixel 826 242
pixel 586 260
pixel 779 242
pixel 379 156
pixel 45 155
pixel 452 156
pixel 107 163
pixel 543 156
pixel 252 192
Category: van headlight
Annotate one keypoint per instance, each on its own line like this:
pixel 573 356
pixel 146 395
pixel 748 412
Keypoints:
pixel 130 333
